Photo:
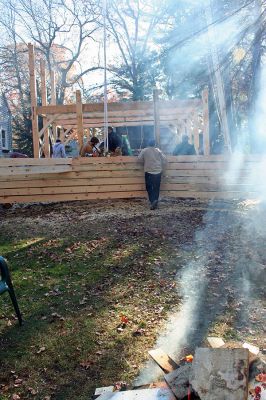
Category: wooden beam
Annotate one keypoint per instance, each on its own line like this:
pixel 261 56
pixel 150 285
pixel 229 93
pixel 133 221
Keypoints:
pixel 53 90
pixel 195 121
pixel 49 122
pixel 156 116
pixel 33 95
pixel 79 118
pixel 65 139
pixel 44 103
pixel 206 128
pixel 53 100
pixel 141 106
pixel 71 137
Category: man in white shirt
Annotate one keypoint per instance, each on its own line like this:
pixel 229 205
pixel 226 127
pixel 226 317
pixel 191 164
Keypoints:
pixel 153 160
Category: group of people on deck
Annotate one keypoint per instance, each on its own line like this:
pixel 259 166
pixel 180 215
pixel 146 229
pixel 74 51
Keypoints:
pixel 152 158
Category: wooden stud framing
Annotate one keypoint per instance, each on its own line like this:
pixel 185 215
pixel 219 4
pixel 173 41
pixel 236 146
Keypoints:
pixel 79 118
pixel 156 116
pixel 48 122
pixel 196 131
pixel 90 116
pixel 53 91
pixel 53 100
pixel 44 103
pixel 206 129
pixel 33 94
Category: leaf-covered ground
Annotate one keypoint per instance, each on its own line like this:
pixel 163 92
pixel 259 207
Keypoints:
pixel 97 283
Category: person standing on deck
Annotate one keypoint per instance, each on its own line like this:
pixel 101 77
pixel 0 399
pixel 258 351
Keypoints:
pixel 90 148
pixel 58 150
pixel 154 161
pixel 184 148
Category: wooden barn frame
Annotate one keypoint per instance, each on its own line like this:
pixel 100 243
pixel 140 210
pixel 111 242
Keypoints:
pixel 189 116
pixel 42 179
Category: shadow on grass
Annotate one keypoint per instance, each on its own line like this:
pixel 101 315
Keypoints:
pixel 66 291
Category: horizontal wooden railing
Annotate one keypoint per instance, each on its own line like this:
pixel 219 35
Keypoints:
pixel 48 180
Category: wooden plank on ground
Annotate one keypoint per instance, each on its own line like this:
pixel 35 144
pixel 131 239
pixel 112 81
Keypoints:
pixel 254 350
pixel 215 342
pixel 166 363
pixel 144 394
pixel 102 390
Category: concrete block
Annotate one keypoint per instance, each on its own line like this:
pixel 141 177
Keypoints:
pixel 220 374
pixel 178 380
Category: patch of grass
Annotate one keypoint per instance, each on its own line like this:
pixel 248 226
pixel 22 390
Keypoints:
pixel 72 294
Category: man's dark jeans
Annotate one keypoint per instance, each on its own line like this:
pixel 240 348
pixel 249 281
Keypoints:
pixel 153 182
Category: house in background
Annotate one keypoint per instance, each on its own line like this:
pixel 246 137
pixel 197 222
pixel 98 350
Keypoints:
pixel 5 127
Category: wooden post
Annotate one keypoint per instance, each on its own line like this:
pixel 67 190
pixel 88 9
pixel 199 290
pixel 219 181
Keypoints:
pixel 53 101
pixel 156 116
pixel 33 95
pixel 44 103
pixel 79 118
pixel 206 129
pixel 195 121
pixel 53 92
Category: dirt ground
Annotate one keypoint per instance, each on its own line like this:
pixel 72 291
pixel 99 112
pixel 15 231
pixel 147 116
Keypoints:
pixel 101 283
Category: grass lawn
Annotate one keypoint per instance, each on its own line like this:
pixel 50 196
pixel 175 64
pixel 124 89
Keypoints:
pixel 81 269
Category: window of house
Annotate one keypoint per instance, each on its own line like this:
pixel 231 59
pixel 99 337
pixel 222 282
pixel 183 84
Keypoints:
pixel 4 139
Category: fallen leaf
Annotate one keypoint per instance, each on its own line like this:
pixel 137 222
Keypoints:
pixel 16 397
pixel 124 319
pixel 261 378
pixel 41 350
pixel 32 391
pixel 86 364
pixel 18 382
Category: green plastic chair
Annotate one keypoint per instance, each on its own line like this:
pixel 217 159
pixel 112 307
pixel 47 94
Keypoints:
pixel 6 286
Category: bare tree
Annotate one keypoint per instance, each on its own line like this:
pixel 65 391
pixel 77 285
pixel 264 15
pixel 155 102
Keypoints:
pixel 132 27
pixel 61 31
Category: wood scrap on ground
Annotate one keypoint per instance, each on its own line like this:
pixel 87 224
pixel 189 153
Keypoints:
pixel 144 394
pixel 220 372
pixel 163 360
pixel 215 342
pixel 99 391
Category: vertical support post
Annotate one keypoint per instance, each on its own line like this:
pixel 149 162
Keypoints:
pixel 195 120
pixel 53 101
pixel 156 115
pixel 79 118
pixel 44 103
pixel 53 93
pixel 206 129
pixel 33 95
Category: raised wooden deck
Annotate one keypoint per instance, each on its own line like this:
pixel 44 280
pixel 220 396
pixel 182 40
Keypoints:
pixel 209 177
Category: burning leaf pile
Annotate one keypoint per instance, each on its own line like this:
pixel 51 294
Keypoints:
pixel 216 373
